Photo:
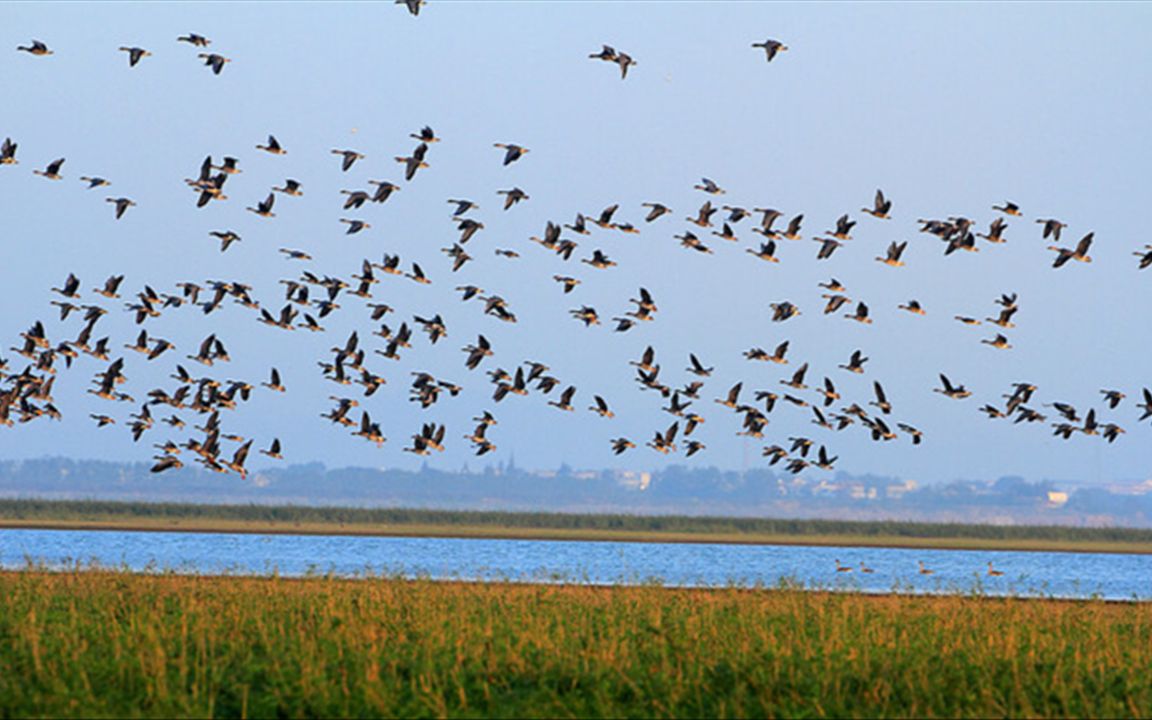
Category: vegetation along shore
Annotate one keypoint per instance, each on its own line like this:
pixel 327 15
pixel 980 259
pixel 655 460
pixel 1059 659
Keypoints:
pixel 295 519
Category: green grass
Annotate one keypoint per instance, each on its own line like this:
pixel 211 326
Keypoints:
pixel 561 526
pixel 110 644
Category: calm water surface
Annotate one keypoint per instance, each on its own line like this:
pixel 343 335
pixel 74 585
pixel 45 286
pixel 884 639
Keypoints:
pixel 1057 574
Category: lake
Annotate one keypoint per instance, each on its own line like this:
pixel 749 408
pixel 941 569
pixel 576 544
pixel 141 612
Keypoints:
pixel 1049 574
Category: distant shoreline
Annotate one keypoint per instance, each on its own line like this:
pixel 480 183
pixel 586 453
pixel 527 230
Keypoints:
pixel 293 520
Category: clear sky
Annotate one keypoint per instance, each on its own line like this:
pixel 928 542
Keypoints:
pixel 950 108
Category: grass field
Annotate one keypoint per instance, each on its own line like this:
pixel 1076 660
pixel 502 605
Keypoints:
pixel 111 644
pixel 559 526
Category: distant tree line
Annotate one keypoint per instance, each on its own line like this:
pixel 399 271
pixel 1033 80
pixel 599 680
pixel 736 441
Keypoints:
pixel 31 509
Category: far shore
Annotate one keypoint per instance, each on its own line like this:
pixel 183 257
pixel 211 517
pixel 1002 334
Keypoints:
pixel 224 525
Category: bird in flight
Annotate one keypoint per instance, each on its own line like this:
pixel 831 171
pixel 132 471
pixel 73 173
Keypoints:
pixel 771 48
pixel 135 54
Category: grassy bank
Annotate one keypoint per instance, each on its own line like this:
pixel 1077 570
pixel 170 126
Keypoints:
pixel 558 526
pixel 107 644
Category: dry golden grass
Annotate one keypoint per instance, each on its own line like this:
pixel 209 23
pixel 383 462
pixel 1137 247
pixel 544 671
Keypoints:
pixel 100 643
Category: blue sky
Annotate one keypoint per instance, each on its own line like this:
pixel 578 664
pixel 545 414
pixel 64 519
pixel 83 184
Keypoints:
pixel 950 108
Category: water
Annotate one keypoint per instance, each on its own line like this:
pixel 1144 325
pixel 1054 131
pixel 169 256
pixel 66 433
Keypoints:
pixel 1054 574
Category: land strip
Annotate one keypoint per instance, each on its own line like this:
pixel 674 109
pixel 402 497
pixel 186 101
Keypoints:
pixel 310 520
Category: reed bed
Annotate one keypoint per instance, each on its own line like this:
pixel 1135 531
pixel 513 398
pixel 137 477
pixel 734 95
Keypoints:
pixel 98 643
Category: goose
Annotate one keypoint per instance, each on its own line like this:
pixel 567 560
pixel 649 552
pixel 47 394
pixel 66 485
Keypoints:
pixel 71 289
pixel 1146 406
pixel 273 146
pixel 578 226
pixel 122 205
pixel 413 6
pixel 916 435
pixel 598 260
pixel 1009 208
pixel 703 216
pixel 229 166
pixel 771 48
pixel 880 206
pixel 1052 228
pixel 1004 320
pixel 726 233
pixel 995 231
pixel 1145 255
pixel 999 342
pixel 835 302
pixel 264 208
pixel 601 407
pixel 384 190
pixel 881 400
pixel 823 461
pixel 855 363
pixel 1111 431
pixel 782 311
pixel 426 135
pixel 291 187
pixel 274 382
pixel 468 227
pixel 655 210
pixel 349 157
pixel 843 228
pixel 273 450
pixel 569 283
pixel 843 568
pixel 1080 253
pixel 663 442
pixel 775 452
pixel 413 162
pixel 355 226
pixel 690 241
pixel 608 53
pixel 194 40
pixel 895 250
pixel 958 392
pixel 214 61
pixel 512 152
pixel 1113 398
pixel 865 569
pixel 604 219
pixel 731 399
pixel 793 230
pixel 586 315
pixel 624 60
pixel 992 572
pixel 697 368
pixel 797 380
pixel 513 196
pixel 621 444
pixel 829 392
pixel 912 306
pixel 8 152
pixel 827 247
pixel 925 570
pixel 52 171
pixel 36 48
pixel 861 314
pixel 565 402
pixel 767 251
pixel 709 187
pixel 135 54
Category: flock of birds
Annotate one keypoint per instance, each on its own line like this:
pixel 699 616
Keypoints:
pixel 922 569
pixel 310 297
